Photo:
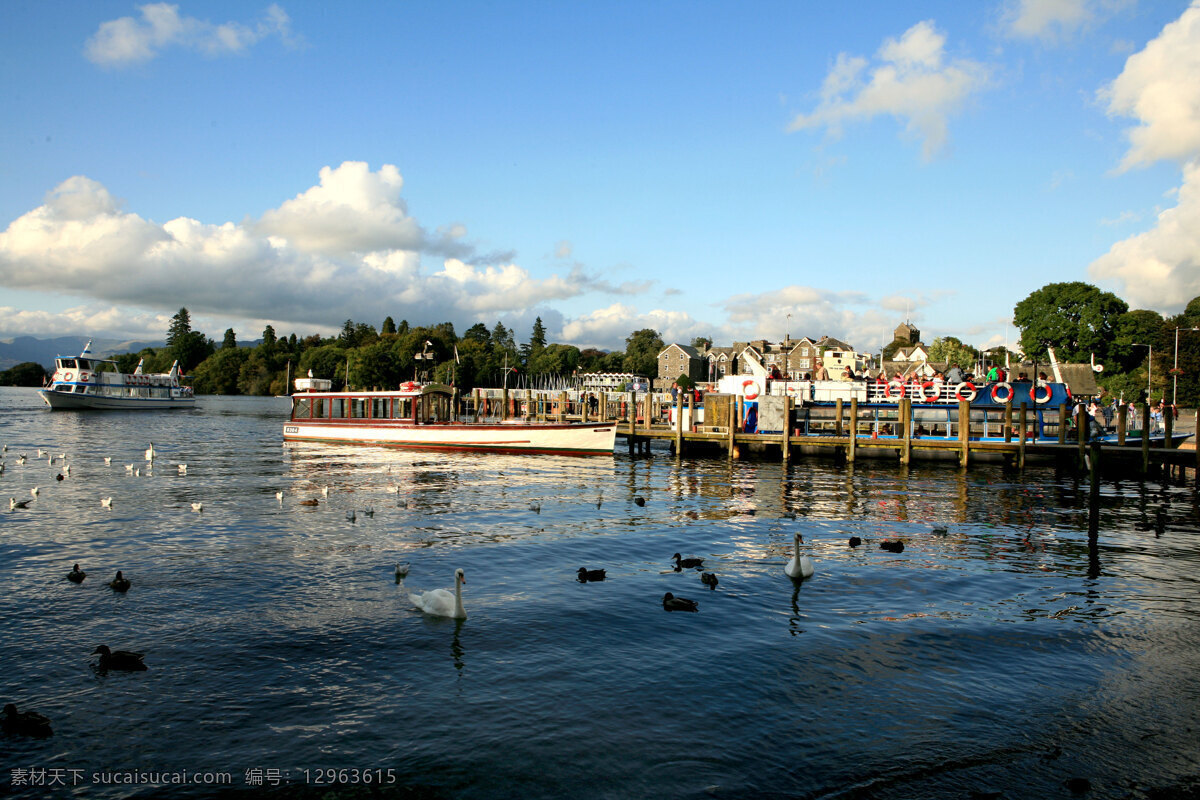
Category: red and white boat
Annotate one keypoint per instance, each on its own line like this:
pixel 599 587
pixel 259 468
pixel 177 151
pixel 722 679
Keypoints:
pixel 422 417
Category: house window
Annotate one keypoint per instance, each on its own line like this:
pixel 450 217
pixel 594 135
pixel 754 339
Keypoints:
pixel 804 351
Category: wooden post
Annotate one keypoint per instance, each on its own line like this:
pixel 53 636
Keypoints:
pixel 678 425
pixel 964 431
pixel 632 412
pixel 504 404
pixel 1062 423
pixel 649 406
pixel 1082 431
pixel 904 420
pixel 1021 451
pixel 583 406
pixel 1146 436
pixel 1008 419
pixel 1168 424
pixel 1197 445
pixel 837 417
pixel 1122 424
pixel 732 424
pixel 853 430
pixel 562 406
pixel 787 427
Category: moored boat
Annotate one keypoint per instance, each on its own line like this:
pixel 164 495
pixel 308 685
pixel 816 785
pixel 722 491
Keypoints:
pixel 87 382
pixel 422 417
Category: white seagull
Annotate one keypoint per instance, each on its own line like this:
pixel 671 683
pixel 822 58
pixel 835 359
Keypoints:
pixel 106 502
pixel 197 507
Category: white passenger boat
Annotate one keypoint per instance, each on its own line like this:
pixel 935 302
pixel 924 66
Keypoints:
pixel 87 382
pixel 422 417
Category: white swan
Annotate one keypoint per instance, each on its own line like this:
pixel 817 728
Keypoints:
pixel 443 602
pixel 150 452
pixel 799 566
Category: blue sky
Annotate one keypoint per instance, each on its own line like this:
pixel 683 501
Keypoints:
pixel 696 168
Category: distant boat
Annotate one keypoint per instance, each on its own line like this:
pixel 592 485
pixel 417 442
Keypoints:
pixel 87 382
pixel 416 416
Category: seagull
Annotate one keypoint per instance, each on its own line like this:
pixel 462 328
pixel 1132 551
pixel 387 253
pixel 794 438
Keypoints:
pixel 106 502
pixel 369 511
pixel 34 491
pixel 350 515
pixel 535 507
pixel 66 470
pixel 138 472
pixel 183 469
pixel 324 491
pixel 197 507
pixel 402 571
pixel 107 460
pixel 13 503
pixel 393 489
pixel 21 458
pixel 41 453
pixel 150 452
pixel 129 467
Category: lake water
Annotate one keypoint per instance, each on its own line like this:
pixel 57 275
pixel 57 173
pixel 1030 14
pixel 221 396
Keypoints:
pixel 1003 655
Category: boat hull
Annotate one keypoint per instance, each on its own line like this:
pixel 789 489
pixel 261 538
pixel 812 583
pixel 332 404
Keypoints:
pixel 69 401
pixel 555 439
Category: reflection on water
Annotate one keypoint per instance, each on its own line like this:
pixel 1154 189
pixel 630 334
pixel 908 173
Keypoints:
pixel 1024 636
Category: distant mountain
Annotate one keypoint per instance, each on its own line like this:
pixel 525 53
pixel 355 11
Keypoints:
pixel 19 349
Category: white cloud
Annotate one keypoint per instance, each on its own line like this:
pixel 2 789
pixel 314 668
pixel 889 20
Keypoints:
pixel 1047 20
pixel 609 327
pixel 1160 268
pixel 343 249
pixel 1160 87
pixel 127 40
pixel 911 80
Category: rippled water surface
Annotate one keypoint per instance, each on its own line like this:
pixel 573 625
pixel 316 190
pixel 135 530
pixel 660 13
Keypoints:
pixel 1001 654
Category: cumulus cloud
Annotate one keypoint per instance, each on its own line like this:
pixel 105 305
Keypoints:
pixel 1160 87
pixel 911 80
pixel 1047 20
pixel 609 327
pixel 124 41
pixel 345 248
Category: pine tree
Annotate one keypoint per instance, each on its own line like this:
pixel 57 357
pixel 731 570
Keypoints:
pixel 230 342
pixel 181 326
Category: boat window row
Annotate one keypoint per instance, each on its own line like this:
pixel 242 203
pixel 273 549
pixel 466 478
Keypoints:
pixel 428 408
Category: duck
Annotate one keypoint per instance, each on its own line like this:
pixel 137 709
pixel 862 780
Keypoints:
pixel 119 659
pixel 673 603
pixel 312 502
pixel 402 571
pixel 76 575
pixel 680 563
pixel 639 501
pixel 25 723
pixel 443 602
pixel 586 574
pixel 939 530
pixel 14 503
pixel 120 583
pixel 535 507
pixel 800 566
pixel 892 547
pixel 855 541
pixel 351 516
pixel 709 579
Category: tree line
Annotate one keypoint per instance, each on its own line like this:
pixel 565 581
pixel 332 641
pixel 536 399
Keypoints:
pixel 1082 323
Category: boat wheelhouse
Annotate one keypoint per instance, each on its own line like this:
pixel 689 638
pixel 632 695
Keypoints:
pixel 87 382
pixel 423 417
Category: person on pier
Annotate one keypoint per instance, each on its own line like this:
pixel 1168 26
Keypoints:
pixel 822 373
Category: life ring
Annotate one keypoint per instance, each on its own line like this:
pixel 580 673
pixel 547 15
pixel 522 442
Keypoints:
pixel 1033 394
pixel 996 390
pixel 968 394
pixel 753 386
pixel 83 376
pixel 67 376
pixel 899 393
pixel 919 391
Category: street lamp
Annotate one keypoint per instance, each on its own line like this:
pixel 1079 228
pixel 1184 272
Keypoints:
pixel 424 355
pixel 787 340
pixel 1175 370
pixel 1149 367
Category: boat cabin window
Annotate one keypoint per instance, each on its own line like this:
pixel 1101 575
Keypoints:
pixel 379 408
pixel 66 363
pixel 358 407
pixel 319 406
pixel 435 408
pixel 402 408
pixel 337 407
pixel 301 408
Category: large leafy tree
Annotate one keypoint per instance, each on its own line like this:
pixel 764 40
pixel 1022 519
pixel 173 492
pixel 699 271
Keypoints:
pixel 641 352
pixel 219 373
pixel 27 373
pixel 1076 319
pixel 952 351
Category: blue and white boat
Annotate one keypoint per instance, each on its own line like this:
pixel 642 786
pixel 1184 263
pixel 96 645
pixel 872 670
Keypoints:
pixel 87 382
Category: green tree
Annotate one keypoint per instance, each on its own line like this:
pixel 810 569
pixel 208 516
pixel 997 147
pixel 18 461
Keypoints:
pixel 27 373
pixel 230 341
pixel 326 361
pixel 685 382
pixel 952 351
pixel 220 372
pixel 181 326
pixel 375 365
pixel 1076 319
pixel 479 333
pixel 702 343
pixel 389 326
pixel 555 359
pixel 641 352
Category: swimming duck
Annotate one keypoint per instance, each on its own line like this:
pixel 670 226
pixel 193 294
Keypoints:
pixel 673 603
pixel 800 566
pixel 119 659
pixel 639 501
pixel 25 723
pixel 892 547
pixel 855 541
pixel 709 579
pixel 586 575
pixel 119 583
pixel 313 502
pixel 680 563
pixel 76 575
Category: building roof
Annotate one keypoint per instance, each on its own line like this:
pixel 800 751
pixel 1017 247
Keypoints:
pixel 691 352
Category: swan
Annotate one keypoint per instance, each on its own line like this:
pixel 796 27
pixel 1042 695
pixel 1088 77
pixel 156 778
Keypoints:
pixel 76 575
pixel 673 603
pixel 800 566
pixel 150 452
pixel 443 602
pixel 279 497
pixel 120 583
